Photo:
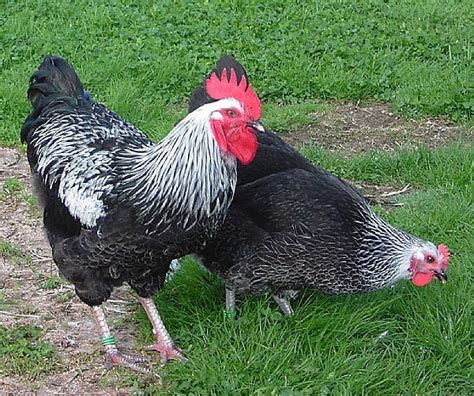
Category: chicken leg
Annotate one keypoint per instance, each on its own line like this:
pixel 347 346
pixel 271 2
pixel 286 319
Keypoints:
pixel 284 304
pixel 113 355
pixel 164 345
pixel 229 303
pixel 283 300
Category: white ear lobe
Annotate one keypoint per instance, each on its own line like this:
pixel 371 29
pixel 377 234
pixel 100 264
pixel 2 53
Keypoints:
pixel 419 256
pixel 216 115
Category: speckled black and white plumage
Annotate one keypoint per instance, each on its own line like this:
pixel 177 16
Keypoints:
pixel 118 208
pixel 293 225
pixel 299 229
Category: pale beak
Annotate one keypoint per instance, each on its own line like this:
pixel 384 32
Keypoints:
pixel 441 276
pixel 256 125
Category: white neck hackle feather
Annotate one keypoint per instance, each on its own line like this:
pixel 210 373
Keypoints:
pixel 182 174
pixel 398 247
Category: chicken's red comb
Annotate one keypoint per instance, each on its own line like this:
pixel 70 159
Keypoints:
pixel 223 87
pixel 443 250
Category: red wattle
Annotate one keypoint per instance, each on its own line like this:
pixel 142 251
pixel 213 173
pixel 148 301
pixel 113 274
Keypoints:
pixel 422 278
pixel 244 146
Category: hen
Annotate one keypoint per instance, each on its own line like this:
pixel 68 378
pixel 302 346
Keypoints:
pixel 118 208
pixel 293 225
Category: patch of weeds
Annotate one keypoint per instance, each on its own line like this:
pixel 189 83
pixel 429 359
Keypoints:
pixel 7 250
pixel 32 203
pixel 62 298
pixel 13 187
pixel 28 309
pixel 121 321
pixel 30 199
pixel 125 379
pixel 14 191
pixel 22 352
pixel 52 282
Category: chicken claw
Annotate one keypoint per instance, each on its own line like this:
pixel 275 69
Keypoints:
pixel 116 358
pixel 113 355
pixel 167 352
pixel 164 345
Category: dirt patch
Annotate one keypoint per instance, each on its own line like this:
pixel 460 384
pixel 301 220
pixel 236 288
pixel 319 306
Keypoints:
pixel 67 323
pixel 357 128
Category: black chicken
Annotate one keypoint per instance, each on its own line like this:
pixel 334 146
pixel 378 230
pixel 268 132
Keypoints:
pixel 292 225
pixel 118 208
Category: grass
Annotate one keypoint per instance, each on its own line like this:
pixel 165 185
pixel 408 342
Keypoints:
pixel 7 250
pixel 290 117
pixel 12 188
pixel 22 352
pixel 3 299
pixel 65 297
pixel 143 58
pixel 31 201
pixel 52 282
pixel 450 168
pixel 13 191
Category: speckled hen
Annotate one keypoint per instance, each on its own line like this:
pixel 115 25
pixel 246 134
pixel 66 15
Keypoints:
pixel 293 225
pixel 118 208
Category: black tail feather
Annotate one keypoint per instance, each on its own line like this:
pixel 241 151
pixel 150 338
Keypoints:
pixel 55 77
pixel 54 81
pixel 227 62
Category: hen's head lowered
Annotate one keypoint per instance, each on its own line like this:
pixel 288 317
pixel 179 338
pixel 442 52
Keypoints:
pixel 427 263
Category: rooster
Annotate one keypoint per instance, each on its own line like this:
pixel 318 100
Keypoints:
pixel 118 208
pixel 292 225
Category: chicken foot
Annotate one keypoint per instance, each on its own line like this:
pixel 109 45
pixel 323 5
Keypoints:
pixel 113 355
pixel 164 345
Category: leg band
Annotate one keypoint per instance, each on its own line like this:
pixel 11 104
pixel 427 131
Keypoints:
pixel 109 340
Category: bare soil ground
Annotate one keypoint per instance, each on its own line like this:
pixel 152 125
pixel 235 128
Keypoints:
pixel 68 323
pixel 352 129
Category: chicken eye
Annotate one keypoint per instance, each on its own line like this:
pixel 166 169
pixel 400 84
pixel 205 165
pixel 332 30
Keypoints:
pixel 231 113
pixel 430 259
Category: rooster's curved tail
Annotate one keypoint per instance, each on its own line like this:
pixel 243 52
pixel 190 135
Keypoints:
pixel 53 86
